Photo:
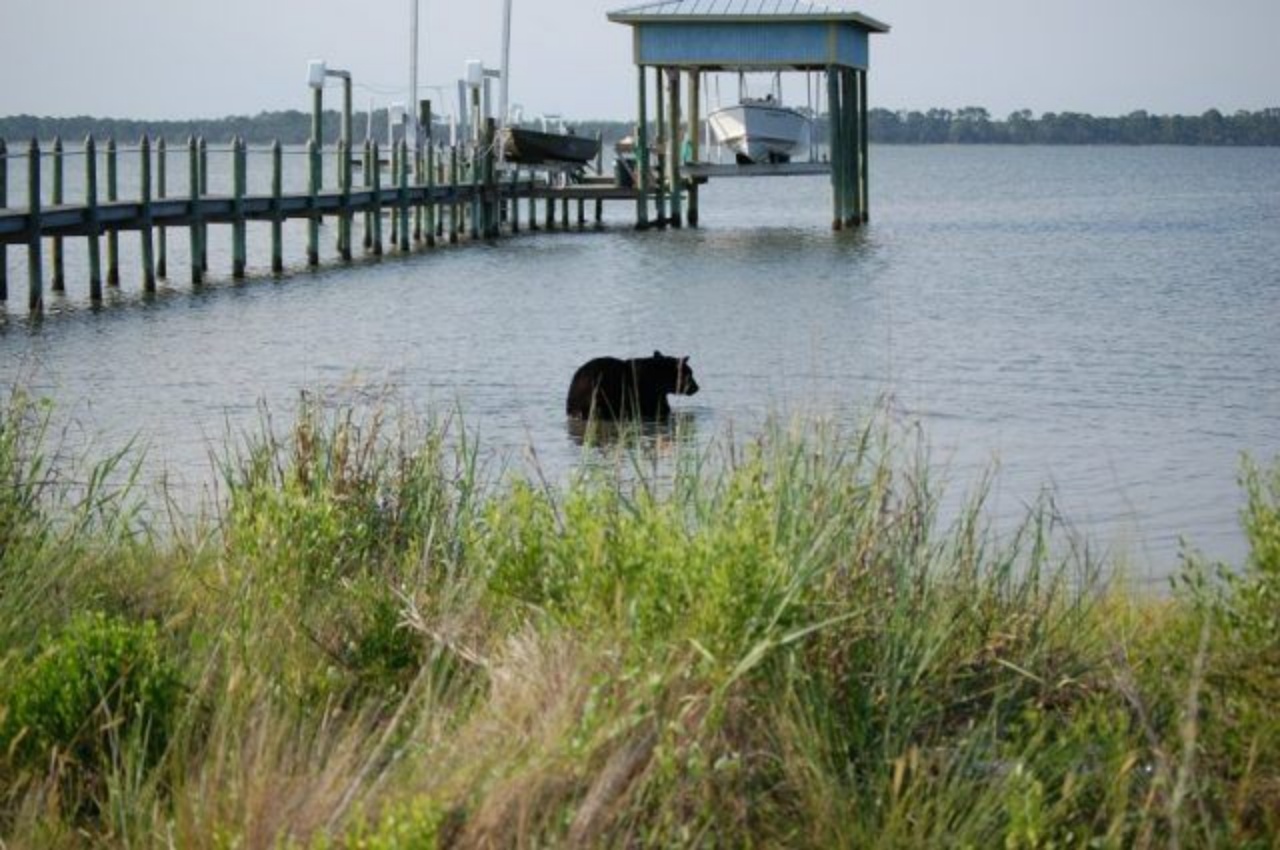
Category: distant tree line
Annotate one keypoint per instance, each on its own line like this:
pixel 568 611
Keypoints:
pixel 970 125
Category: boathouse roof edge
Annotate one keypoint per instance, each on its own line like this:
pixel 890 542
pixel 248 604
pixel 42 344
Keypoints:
pixel 743 11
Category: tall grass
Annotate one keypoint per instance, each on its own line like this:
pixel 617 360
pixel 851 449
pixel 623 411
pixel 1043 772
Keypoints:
pixel 373 643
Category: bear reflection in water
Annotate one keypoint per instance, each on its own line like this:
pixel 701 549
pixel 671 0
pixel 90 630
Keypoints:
pixel 652 437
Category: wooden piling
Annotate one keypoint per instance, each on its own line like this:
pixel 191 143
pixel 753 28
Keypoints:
pixel 673 146
pixel 564 213
pixel 551 208
pixel 93 226
pixel 515 199
pixel 473 180
pixel 835 126
pixel 59 272
pixel 195 230
pixel 695 137
pixel 429 167
pixel 146 245
pixel 313 190
pixel 239 167
pixel 491 205
pixel 35 272
pixel 203 145
pixel 442 179
pixel 377 202
pixel 453 194
pixel 367 167
pixel 344 201
pixel 113 237
pixel 162 192
pixel 533 201
pixel 660 143
pixel 864 144
pixel 402 197
pixel 419 174
pixel 641 176
pixel 582 213
pixel 4 202
pixel 277 212
pixel 395 180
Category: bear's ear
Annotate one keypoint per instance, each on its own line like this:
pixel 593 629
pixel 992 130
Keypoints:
pixel 657 353
pixel 684 361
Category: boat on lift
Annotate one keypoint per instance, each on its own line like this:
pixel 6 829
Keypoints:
pixel 760 129
pixel 550 145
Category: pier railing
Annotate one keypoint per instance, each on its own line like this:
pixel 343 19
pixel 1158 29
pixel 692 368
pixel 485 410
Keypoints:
pixel 53 193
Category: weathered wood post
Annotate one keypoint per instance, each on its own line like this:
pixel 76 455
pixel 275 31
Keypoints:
pixel 368 166
pixel 582 213
pixel 313 204
pixel 239 179
pixel 864 143
pixel 196 212
pixel 454 225
pixel 853 213
pixel 835 125
pixel 35 272
pixel 551 206
pixel 673 146
pixel 93 226
pixel 146 246
pixel 515 199
pixel 420 170
pixel 428 142
pixel 695 139
pixel 344 201
pixel 395 181
pixel 203 144
pixel 473 181
pixel 377 200
pixel 533 200
pixel 642 153
pixel 113 237
pixel 277 209
pixel 162 192
pixel 442 179
pixel 402 196
pixel 4 202
pixel 59 273
pixel 660 144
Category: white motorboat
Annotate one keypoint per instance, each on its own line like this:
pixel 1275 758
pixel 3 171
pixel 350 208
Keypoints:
pixel 760 130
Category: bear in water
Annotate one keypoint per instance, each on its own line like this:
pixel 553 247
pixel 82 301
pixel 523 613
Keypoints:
pixel 609 388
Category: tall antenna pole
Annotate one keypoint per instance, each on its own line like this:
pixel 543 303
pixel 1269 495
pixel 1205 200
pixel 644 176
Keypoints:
pixel 503 89
pixel 413 74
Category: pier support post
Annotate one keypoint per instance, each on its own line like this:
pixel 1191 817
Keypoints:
pixel 203 144
pixel 239 166
pixel 313 191
pixel 35 271
pixel 368 165
pixel 564 213
pixel 515 199
pixel 113 237
pixel 673 146
pixel 146 246
pixel 835 145
pixel 454 206
pixel 551 207
pixel 196 213
pixel 864 143
pixel 93 227
pixel 344 201
pixel 429 154
pixel 394 153
pixel 377 201
pixel 162 192
pixel 59 271
pixel 402 197
pixel 4 202
pixel 695 138
pixel 642 152
pixel 533 200
pixel 277 212
pixel 660 145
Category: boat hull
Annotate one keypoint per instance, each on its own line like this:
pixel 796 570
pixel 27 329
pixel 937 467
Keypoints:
pixel 760 132
pixel 533 147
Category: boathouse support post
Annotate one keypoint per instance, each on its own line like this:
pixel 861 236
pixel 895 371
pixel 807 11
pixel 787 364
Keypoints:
pixel 277 211
pixel 162 192
pixel 113 237
pixel 515 199
pixel 204 192
pixel 865 144
pixel 193 190
pixel 551 206
pixel 145 239
pixel 673 147
pixel 59 271
pixel 35 270
pixel 239 180
pixel 93 226
pixel 402 196
pixel 642 152
pixel 533 200
pixel 344 200
pixel 368 165
pixel 376 180
pixel 313 190
pixel 660 145
pixel 695 138
pixel 4 202
pixel 835 127
pixel 852 216
pixel 564 213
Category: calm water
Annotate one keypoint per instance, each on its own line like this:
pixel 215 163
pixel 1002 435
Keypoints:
pixel 1101 321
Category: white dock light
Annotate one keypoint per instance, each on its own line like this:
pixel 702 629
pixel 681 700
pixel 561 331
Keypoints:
pixel 315 73
pixel 475 73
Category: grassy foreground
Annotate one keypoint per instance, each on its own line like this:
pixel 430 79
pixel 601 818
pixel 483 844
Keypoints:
pixel 372 645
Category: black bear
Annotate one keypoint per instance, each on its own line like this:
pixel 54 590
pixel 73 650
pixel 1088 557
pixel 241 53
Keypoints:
pixel 609 388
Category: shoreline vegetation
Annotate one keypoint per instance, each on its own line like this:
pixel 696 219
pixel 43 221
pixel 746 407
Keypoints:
pixel 969 125
pixel 371 642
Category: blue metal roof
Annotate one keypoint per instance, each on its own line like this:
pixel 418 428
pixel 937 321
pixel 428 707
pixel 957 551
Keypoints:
pixel 743 11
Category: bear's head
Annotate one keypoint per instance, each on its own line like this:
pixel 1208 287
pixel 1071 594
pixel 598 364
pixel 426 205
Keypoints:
pixel 676 374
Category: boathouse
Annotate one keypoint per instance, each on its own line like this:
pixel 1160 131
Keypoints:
pixel 689 38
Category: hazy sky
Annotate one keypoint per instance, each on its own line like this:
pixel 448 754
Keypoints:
pixel 182 58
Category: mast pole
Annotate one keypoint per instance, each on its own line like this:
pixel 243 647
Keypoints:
pixel 413 73
pixel 503 87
